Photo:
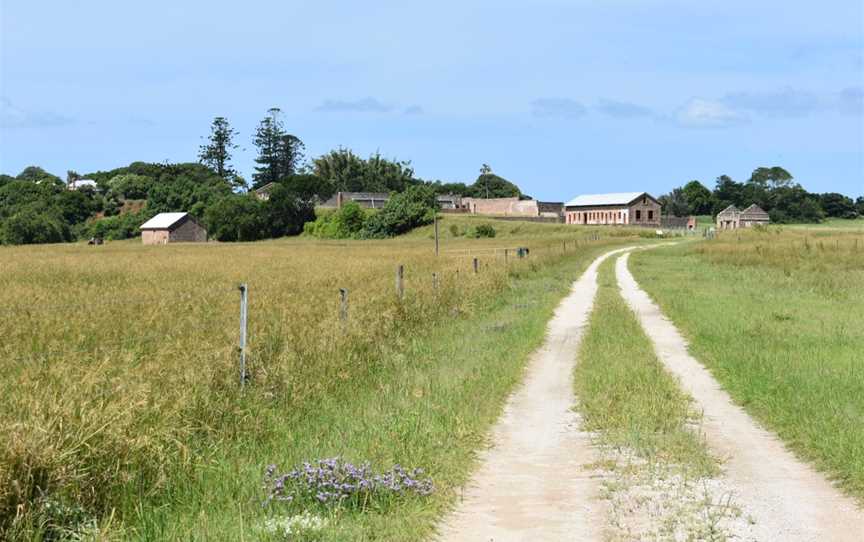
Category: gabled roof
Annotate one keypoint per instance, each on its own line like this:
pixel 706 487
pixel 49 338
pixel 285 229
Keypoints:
pixel 163 221
pixel 265 188
pixel 754 209
pixel 729 209
pixel 617 198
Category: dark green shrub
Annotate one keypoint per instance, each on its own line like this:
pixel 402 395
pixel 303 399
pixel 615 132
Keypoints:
pixel 483 230
pixel 349 222
pixel 403 212
pixel 32 225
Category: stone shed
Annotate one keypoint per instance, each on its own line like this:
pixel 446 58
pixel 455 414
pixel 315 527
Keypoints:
pixel 167 228
pixel 731 218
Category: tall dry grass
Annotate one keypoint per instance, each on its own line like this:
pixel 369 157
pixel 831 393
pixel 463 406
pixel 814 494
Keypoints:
pixel 120 376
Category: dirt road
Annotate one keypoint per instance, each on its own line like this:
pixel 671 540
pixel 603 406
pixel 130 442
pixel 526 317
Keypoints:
pixel 786 499
pixel 532 484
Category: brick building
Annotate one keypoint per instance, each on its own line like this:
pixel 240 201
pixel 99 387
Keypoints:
pixel 172 228
pixel 626 208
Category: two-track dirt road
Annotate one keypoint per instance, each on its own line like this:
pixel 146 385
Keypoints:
pixel 533 485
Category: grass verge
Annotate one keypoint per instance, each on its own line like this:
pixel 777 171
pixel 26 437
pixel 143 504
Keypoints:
pixel 656 467
pixel 624 393
pixel 776 316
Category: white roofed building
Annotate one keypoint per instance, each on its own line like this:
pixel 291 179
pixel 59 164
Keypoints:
pixel 619 208
pixel 172 228
pixel 82 183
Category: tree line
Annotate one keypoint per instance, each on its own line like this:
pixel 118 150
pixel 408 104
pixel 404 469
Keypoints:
pixel 37 207
pixel 771 188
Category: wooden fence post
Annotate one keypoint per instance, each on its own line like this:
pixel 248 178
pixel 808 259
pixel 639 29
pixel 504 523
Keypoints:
pixel 476 265
pixel 400 287
pixel 343 307
pixel 244 299
pixel 435 282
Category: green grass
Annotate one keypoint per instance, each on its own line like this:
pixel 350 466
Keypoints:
pixel 833 224
pixel 455 226
pixel 624 392
pixel 121 392
pixel 778 318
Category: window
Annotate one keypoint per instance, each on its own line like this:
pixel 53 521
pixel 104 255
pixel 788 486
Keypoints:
pixel 650 215
pixel 638 214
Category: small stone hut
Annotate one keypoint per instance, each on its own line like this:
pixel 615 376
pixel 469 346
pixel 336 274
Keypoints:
pixel 731 218
pixel 167 228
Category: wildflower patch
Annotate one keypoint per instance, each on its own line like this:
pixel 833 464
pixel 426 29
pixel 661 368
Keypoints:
pixel 332 482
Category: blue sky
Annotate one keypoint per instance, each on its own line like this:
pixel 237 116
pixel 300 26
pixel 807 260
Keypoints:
pixel 562 97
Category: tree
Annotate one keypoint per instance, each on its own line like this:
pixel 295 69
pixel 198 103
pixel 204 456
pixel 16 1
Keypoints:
pixel 236 218
pixel 279 154
pixel 700 200
pixel 403 212
pixel 838 205
pixel 727 192
pixel 674 203
pixel 216 154
pixel 771 178
pixel 76 206
pixel 38 175
pixel 308 187
pixel 489 185
pixel 485 174
pixel 34 224
pixel 347 172
pixel 289 156
pixel 130 186
pixel 794 204
pixel 285 213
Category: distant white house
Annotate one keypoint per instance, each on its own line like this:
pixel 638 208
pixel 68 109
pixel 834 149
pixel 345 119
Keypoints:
pixel 81 183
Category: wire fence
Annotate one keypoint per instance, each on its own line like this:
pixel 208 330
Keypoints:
pixel 220 329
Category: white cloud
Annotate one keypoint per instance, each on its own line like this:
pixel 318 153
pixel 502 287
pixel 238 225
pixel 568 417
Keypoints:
pixel 365 105
pixel 701 113
pixel 557 107
pixel 12 116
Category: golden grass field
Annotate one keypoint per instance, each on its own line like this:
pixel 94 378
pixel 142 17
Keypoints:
pixel 120 363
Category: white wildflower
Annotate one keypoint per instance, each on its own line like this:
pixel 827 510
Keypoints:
pixel 291 526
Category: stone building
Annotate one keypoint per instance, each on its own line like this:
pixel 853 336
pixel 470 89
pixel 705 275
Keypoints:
pixel 624 208
pixel 369 200
pixel 167 228
pixel 731 218
pixel 514 207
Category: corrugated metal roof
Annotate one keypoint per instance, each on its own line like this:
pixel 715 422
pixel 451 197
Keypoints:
pixel 162 221
pixel 618 198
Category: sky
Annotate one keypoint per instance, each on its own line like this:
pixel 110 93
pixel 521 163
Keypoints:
pixel 561 97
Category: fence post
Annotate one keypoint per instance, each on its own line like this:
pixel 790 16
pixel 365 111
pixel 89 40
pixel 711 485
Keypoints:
pixel 343 307
pixel 400 288
pixel 435 282
pixel 244 298
pixel 476 265
pixel 506 251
